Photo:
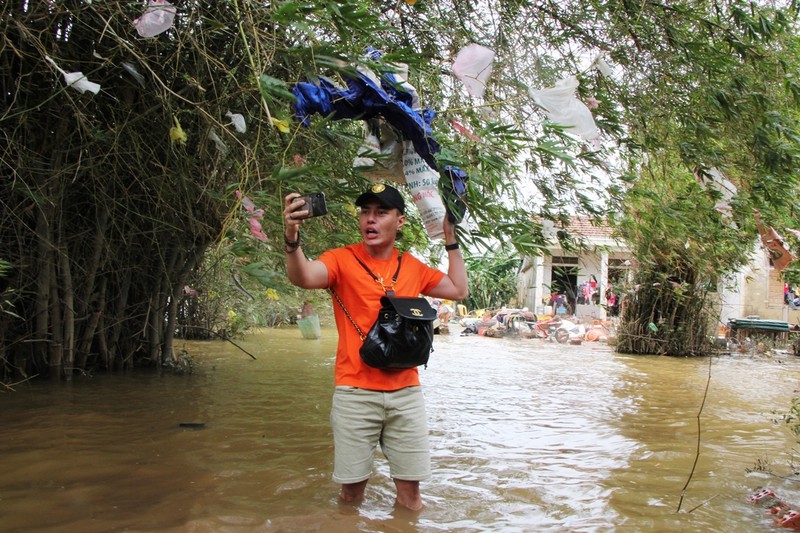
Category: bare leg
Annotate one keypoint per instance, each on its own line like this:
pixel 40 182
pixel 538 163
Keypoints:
pixel 353 492
pixel 408 495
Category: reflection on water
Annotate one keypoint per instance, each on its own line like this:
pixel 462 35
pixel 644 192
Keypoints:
pixel 527 435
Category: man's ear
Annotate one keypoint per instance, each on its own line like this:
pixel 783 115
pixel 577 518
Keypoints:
pixel 401 220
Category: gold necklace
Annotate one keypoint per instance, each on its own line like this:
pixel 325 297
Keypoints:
pixel 382 278
pixel 370 261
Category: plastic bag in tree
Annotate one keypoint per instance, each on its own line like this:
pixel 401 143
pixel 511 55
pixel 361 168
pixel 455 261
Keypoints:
pixel 237 120
pixel 158 17
pixel 600 64
pixel 473 66
pixel 176 133
pixel 381 155
pixel 134 73
pixel 76 80
pixel 562 107
pixel 212 135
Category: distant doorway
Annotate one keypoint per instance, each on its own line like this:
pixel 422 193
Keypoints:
pixel 564 279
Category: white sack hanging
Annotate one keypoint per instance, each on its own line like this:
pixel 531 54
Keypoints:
pixel 381 155
pixel 423 183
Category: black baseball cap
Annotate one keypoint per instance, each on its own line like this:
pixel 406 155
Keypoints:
pixel 385 195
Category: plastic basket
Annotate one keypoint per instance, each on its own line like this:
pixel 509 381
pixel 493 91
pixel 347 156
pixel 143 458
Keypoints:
pixel 309 327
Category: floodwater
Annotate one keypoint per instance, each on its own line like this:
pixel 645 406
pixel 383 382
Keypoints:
pixel 527 435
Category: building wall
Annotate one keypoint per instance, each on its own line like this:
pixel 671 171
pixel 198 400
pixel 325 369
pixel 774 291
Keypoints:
pixel 535 279
pixel 763 293
pixel 732 299
pixel 755 291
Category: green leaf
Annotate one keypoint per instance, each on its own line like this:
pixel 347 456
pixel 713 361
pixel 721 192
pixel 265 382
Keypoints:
pixel 274 89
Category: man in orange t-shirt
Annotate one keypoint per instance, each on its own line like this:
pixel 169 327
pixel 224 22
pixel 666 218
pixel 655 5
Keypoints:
pixel 373 406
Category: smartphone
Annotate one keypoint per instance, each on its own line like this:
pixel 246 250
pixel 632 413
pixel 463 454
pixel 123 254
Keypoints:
pixel 315 205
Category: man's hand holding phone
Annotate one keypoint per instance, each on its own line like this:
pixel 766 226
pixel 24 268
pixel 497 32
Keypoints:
pixel 315 205
pixel 296 209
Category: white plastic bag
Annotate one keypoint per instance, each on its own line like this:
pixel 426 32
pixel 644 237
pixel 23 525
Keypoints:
pixel 215 138
pixel 562 107
pixel 473 66
pixel 600 64
pixel 238 121
pixel 76 80
pixel 156 19
pixel 135 73
pixel 423 183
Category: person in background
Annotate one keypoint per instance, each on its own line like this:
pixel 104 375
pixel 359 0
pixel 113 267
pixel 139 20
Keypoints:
pixel 307 310
pixel 373 406
pixel 445 312
pixel 611 300
pixel 595 296
pixel 561 304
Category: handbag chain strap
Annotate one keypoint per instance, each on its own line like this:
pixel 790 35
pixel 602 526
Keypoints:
pixel 389 292
pixel 346 312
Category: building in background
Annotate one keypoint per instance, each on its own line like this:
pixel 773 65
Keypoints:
pixel 601 260
pixel 757 290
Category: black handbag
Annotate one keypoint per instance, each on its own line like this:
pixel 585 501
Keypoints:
pixel 402 335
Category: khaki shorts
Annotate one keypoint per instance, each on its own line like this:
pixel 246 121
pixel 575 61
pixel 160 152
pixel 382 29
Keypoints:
pixel 362 419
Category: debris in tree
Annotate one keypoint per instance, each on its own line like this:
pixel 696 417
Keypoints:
pixel 76 80
pixel 473 66
pixel 158 17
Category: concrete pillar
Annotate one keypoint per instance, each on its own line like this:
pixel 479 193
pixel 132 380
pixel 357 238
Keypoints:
pixel 538 287
pixel 602 284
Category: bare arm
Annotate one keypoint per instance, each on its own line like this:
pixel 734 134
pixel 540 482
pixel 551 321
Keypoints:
pixel 303 273
pixel 454 285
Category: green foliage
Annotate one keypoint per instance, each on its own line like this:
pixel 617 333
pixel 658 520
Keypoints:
pixel 683 246
pixel 492 281
pixel 99 203
pixel 792 418
pixel 740 119
pixel 231 296
pixel 6 305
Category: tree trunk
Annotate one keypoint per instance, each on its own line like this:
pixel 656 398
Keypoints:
pixel 93 263
pixel 85 346
pixel 44 259
pixel 56 345
pixel 155 321
pixel 69 313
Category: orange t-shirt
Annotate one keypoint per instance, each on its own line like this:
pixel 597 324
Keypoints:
pixel 361 295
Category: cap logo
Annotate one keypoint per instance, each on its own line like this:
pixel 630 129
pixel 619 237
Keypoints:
pixel 378 188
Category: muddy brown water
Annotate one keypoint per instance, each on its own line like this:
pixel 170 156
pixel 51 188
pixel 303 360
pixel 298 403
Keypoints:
pixel 527 435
